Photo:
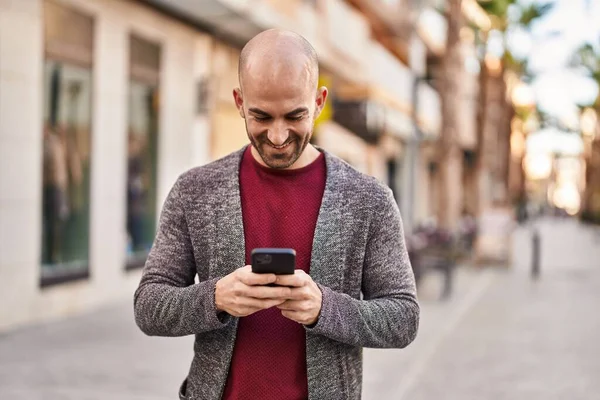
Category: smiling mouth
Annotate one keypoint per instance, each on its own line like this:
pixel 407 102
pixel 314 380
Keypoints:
pixel 280 147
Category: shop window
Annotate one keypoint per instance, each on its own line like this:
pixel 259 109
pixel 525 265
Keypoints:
pixel 68 39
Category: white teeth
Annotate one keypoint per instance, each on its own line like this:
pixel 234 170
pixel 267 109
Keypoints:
pixel 280 147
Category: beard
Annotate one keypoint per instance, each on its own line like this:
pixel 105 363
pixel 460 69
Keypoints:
pixel 280 158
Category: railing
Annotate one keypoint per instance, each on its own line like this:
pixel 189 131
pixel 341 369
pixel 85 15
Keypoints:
pixel 347 31
pixel 429 110
pixel 432 27
pixel 389 74
pixel 394 15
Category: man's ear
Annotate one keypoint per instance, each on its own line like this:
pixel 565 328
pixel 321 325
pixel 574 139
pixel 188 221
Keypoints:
pixel 239 101
pixel 320 100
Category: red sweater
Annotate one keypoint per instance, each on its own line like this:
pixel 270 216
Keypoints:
pixel 280 209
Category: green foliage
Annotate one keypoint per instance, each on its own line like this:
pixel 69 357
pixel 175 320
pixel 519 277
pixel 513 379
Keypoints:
pixel 499 11
pixel 496 8
pixel 588 58
pixel 533 12
pixel 515 64
pixel 523 17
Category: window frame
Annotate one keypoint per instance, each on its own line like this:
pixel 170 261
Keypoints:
pixel 63 53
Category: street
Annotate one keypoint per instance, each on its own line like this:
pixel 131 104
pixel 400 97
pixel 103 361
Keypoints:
pixel 502 335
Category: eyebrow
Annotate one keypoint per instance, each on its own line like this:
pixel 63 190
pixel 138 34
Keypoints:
pixel 297 111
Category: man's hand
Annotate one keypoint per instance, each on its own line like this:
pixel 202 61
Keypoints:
pixel 304 304
pixel 243 292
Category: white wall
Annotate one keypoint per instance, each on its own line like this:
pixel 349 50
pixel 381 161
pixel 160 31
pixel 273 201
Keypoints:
pixel 183 143
pixel 20 157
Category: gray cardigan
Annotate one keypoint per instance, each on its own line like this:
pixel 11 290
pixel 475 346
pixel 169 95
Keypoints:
pixel 358 248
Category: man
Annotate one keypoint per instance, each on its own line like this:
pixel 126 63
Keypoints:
pixel 303 338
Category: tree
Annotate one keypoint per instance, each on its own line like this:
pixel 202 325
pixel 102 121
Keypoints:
pixel 450 172
pixel 495 111
pixel 587 59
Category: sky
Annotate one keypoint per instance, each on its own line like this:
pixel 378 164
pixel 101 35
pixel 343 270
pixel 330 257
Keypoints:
pixel 557 88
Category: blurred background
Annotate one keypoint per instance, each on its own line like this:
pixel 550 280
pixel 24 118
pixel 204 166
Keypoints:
pixel 480 115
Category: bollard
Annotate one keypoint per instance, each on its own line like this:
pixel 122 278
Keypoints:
pixel 535 259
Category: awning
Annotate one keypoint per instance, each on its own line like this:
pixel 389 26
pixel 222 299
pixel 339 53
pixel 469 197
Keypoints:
pixel 222 18
pixel 237 21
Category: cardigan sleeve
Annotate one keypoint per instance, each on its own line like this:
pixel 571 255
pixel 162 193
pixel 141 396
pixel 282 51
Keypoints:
pixel 167 301
pixel 388 314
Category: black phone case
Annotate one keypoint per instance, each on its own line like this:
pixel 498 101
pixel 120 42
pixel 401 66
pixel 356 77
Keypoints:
pixel 273 261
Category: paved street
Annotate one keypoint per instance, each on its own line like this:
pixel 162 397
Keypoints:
pixel 501 336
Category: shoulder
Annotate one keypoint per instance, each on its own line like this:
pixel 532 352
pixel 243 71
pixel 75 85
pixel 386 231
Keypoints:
pixel 356 185
pixel 212 175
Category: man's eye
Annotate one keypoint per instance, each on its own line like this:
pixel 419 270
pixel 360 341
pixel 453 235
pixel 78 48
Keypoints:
pixel 262 119
pixel 296 118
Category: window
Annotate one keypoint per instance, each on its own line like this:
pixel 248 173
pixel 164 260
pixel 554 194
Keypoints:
pixel 142 149
pixel 68 37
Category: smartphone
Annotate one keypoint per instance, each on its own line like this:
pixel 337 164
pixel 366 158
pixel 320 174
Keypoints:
pixel 277 261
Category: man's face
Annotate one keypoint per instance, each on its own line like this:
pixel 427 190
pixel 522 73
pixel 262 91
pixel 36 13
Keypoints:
pixel 279 114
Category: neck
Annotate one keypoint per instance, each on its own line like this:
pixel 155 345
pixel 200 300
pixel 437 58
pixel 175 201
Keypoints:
pixel 309 155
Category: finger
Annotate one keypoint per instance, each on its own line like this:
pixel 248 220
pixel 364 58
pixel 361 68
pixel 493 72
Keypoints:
pixel 290 314
pixel 250 278
pixel 267 292
pixel 298 279
pixel 299 293
pixel 258 304
pixel 294 305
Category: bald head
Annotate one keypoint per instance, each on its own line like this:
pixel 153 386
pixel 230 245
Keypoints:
pixel 278 98
pixel 274 52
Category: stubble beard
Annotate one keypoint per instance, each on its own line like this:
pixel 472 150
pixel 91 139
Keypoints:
pixel 296 143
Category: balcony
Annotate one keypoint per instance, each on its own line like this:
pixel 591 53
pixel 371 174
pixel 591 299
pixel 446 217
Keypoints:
pixel 383 103
pixel 469 100
pixel 390 76
pixel 392 23
pixel 432 27
pixel 339 34
pixel 365 118
pixel 346 31
pixel 429 112
pixel 237 21
pixel 395 17
pixel 221 18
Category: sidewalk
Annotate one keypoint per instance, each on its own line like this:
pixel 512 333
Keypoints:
pixel 565 245
pixel 506 336
pixel 391 374
pixel 99 356
pixel 104 356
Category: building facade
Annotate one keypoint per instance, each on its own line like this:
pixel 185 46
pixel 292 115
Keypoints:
pixel 103 103
pixel 97 119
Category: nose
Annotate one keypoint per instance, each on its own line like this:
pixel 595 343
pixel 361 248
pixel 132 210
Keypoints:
pixel 278 134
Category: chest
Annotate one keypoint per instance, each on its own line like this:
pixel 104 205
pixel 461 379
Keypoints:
pixel 226 226
pixel 280 211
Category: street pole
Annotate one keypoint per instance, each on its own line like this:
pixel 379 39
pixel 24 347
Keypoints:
pixel 535 256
